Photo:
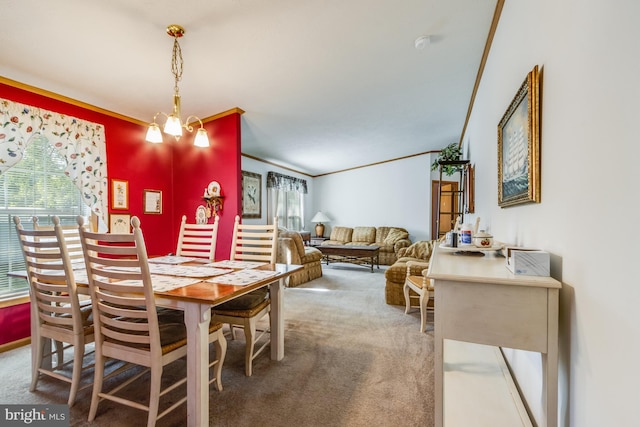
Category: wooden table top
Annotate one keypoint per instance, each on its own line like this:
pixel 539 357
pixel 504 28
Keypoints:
pixel 208 292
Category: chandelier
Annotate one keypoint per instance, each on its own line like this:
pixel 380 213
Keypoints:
pixel 174 124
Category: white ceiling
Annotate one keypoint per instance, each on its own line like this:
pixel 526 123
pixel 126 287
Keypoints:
pixel 326 85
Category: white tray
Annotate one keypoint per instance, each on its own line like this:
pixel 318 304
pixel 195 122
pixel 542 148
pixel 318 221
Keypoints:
pixel 471 248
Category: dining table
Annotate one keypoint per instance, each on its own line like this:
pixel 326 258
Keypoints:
pixel 195 286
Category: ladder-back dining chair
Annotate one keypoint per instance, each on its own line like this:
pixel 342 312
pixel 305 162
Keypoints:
pixel 129 327
pixel 197 240
pixel 250 243
pixel 56 312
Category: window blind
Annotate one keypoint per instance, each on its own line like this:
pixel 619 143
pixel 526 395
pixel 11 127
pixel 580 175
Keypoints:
pixel 35 186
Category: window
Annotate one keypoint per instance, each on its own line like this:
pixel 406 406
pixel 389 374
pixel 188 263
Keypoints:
pixel 35 186
pixel 286 200
pixel 290 210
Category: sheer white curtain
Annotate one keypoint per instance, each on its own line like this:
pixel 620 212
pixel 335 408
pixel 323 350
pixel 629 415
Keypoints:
pixel 285 200
pixel 79 142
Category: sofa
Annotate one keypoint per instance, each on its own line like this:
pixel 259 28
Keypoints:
pixel 292 250
pixel 395 275
pixel 390 239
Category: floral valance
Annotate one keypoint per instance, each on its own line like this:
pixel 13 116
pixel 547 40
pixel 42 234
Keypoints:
pixel 80 142
pixel 286 183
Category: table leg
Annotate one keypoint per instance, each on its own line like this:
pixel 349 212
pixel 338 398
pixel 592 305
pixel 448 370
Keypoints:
pixel 277 320
pixel 196 319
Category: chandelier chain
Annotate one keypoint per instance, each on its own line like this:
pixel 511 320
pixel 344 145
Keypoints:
pixel 176 63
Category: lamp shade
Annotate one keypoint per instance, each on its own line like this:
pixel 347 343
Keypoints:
pixel 202 140
pixel 320 217
pixel 153 134
pixel 173 126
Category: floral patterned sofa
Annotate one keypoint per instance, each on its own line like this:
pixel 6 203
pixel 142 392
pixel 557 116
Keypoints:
pixel 390 240
pixel 291 250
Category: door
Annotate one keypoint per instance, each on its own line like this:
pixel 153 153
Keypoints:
pixel 449 207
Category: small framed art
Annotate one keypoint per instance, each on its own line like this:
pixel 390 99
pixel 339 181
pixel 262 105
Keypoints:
pixel 152 201
pixel 120 223
pixel 251 195
pixel 119 194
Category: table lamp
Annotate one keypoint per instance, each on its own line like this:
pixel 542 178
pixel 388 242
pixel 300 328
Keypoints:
pixel 319 218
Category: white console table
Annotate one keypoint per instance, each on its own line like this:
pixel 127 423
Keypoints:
pixel 478 300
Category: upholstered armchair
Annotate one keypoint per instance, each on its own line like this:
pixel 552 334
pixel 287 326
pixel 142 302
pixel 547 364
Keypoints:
pixel 396 274
pixel 291 250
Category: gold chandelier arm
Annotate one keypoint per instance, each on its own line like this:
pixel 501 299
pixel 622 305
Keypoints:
pixel 159 113
pixel 187 123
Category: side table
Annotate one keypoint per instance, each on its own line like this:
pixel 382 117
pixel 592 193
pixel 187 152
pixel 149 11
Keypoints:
pixel 306 237
pixel 317 241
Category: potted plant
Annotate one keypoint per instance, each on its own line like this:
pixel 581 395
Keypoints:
pixel 451 152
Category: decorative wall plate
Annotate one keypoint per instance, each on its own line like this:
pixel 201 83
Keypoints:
pixel 213 190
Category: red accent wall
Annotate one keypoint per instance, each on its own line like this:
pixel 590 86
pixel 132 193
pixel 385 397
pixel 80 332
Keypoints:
pixel 178 169
pixel 193 169
pixel 14 323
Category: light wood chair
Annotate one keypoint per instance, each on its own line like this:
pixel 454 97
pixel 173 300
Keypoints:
pixel 197 240
pixel 56 312
pixel 250 243
pixel 423 291
pixel 129 328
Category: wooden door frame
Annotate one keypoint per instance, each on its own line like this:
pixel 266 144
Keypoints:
pixel 435 190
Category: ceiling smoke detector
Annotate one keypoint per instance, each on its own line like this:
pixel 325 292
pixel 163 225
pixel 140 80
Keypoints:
pixel 422 42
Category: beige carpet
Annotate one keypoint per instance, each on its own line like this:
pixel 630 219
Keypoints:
pixel 350 360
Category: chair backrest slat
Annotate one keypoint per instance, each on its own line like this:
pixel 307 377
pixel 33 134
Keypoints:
pixel 197 240
pixel 254 242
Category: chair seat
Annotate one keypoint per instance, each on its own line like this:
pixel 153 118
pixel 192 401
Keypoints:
pixel 243 313
pixel 173 333
pixel 86 314
pixel 419 282
pixel 244 302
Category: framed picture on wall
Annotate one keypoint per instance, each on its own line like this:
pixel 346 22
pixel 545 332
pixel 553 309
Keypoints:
pixel 119 194
pixel 251 195
pixel 470 184
pixel 152 201
pixel 120 223
pixel 519 146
